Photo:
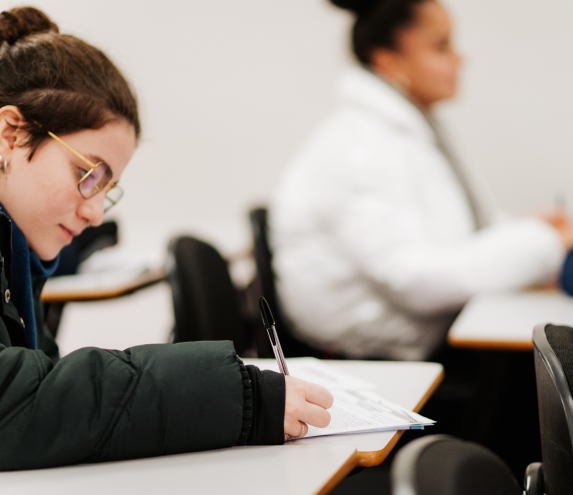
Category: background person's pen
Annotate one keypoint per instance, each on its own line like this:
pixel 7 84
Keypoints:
pixel 560 202
pixel 269 323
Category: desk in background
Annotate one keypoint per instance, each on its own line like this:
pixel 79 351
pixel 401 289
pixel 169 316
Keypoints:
pixel 302 467
pixel 97 286
pixel 497 328
pixel 504 321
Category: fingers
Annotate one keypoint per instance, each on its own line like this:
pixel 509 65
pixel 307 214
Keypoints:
pixel 315 415
pixel 318 395
pixel 306 413
pixel 305 402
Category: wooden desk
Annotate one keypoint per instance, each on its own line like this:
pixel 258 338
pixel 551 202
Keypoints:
pixel 302 467
pixel 97 286
pixel 505 321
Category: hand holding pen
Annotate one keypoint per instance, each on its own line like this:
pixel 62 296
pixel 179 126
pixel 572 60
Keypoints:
pixel 305 403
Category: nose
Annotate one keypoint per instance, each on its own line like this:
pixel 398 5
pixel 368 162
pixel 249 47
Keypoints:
pixel 91 210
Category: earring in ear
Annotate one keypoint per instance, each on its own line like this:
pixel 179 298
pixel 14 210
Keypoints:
pixel 4 165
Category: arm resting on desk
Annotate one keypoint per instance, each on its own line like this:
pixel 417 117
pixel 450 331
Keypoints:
pixel 103 405
pixel 428 277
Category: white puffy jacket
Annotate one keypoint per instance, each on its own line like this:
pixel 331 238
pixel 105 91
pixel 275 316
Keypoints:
pixel 375 245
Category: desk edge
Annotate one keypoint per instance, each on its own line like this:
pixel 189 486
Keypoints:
pixel 342 473
pixel 493 345
pixel 144 280
pixel 368 459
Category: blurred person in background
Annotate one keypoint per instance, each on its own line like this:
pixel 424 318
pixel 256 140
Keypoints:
pixel 378 238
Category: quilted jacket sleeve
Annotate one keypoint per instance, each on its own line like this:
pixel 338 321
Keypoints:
pixel 101 405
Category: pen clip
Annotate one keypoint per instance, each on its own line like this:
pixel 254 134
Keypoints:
pixel 269 324
pixel 277 350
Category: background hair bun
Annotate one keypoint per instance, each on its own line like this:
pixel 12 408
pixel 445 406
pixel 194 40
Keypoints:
pixel 358 6
pixel 23 21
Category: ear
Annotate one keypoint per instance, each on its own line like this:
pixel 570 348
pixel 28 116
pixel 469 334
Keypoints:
pixel 390 65
pixel 11 132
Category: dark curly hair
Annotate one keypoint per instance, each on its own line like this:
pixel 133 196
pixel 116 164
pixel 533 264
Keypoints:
pixel 57 80
pixel 377 23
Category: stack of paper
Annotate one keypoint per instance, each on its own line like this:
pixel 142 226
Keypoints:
pixel 357 408
pixel 360 411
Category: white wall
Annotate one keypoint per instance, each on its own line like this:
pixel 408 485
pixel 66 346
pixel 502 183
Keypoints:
pixel 228 90
pixel 513 121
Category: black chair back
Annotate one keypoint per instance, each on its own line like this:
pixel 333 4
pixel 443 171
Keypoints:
pixel 205 301
pixel 292 347
pixel 264 259
pixel 444 465
pixel 553 351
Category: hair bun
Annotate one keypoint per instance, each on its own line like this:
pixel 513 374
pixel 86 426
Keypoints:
pixel 357 6
pixel 23 21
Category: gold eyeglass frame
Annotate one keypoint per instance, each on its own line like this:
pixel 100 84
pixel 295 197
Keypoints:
pixel 92 166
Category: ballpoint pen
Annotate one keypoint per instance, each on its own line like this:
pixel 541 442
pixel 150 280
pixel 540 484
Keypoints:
pixel 269 324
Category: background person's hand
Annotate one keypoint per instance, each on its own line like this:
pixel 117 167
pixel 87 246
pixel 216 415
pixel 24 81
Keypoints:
pixel 305 403
pixel 563 225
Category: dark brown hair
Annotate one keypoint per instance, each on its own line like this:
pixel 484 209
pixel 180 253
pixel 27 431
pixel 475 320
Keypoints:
pixel 377 23
pixel 57 80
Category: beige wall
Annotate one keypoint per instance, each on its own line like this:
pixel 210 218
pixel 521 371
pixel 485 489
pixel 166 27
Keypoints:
pixel 513 121
pixel 228 90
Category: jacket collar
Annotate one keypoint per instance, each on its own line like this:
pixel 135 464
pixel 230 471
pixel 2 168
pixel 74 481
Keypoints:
pixel 363 88
pixel 25 266
pixel 6 245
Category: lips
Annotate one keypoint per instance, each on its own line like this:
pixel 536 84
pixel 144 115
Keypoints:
pixel 70 234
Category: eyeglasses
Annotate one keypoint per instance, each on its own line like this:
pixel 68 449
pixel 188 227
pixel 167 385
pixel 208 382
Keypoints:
pixel 95 179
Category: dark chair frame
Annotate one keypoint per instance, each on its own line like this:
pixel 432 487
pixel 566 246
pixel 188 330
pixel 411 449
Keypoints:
pixel 205 300
pixel 553 365
pixel 555 415
pixel 404 467
pixel 292 347
pixel 409 475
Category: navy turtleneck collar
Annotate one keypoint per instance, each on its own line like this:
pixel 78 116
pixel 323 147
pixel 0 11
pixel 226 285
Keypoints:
pixel 26 266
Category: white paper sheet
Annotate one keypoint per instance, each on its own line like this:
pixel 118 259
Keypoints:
pixel 357 408
pixel 316 371
pixel 361 411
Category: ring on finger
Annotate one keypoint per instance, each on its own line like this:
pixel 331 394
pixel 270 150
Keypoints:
pixel 301 430
pixel 288 436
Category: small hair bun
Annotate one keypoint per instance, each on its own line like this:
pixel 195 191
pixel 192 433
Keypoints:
pixel 357 6
pixel 23 21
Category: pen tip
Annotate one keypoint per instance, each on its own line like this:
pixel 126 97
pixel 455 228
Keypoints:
pixel 266 315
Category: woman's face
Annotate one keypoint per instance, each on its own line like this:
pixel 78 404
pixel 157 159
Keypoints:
pixel 425 64
pixel 41 195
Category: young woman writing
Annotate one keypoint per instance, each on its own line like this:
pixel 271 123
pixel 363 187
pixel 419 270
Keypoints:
pixel 69 125
pixel 378 240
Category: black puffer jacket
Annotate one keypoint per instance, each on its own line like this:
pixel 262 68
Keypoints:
pixel 102 405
